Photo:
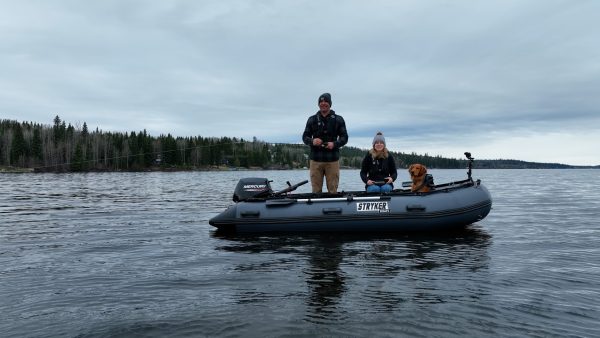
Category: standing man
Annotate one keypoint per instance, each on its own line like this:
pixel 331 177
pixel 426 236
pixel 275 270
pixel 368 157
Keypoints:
pixel 325 133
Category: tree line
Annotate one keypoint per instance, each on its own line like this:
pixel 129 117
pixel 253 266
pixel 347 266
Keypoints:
pixel 62 147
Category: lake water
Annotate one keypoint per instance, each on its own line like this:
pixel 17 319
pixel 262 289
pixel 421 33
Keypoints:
pixel 132 254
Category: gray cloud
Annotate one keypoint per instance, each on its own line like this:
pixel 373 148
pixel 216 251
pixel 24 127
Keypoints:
pixel 436 77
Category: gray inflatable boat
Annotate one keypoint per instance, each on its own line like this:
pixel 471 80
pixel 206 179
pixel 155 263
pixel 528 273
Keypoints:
pixel 446 207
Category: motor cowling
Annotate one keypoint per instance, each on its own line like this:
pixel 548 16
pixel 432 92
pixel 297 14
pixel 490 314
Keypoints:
pixel 251 187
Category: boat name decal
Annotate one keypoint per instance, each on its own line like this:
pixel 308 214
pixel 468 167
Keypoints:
pixel 381 206
pixel 255 187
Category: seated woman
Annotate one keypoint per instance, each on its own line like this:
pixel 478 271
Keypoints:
pixel 378 168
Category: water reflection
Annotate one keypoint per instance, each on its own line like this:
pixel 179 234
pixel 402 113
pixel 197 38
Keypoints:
pixel 380 273
pixel 324 277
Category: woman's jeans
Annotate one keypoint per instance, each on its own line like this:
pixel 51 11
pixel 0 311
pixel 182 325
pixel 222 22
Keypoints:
pixel 376 188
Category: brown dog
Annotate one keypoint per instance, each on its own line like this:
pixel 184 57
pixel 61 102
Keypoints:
pixel 417 176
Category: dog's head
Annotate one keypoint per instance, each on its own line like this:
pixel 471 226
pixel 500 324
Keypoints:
pixel 417 170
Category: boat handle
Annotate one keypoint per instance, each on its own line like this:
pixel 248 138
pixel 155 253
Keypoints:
pixel 415 207
pixel 329 211
pixel 250 213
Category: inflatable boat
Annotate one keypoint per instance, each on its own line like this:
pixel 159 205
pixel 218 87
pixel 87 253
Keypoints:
pixel 445 207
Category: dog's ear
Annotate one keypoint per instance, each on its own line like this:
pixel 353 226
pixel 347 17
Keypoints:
pixel 422 170
pixel 411 168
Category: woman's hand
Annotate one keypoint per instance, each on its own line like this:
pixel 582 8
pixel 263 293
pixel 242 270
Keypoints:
pixel 389 180
pixel 369 182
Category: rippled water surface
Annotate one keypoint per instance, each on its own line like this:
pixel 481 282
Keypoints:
pixel 132 254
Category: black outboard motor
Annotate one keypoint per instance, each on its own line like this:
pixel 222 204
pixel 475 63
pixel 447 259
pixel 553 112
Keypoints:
pixel 251 187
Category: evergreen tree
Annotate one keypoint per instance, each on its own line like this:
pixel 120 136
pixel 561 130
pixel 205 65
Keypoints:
pixel 36 144
pixel 84 131
pixel 18 150
pixel 78 159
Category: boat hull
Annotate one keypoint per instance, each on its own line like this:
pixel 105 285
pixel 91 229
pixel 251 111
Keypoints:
pixel 445 209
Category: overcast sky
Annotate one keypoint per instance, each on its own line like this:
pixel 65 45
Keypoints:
pixel 501 79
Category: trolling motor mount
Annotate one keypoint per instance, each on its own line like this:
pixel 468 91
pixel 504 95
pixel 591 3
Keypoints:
pixel 471 159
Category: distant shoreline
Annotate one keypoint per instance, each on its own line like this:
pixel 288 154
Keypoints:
pixel 17 170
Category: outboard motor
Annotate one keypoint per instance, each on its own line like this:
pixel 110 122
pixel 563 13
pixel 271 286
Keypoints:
pixel 251 187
